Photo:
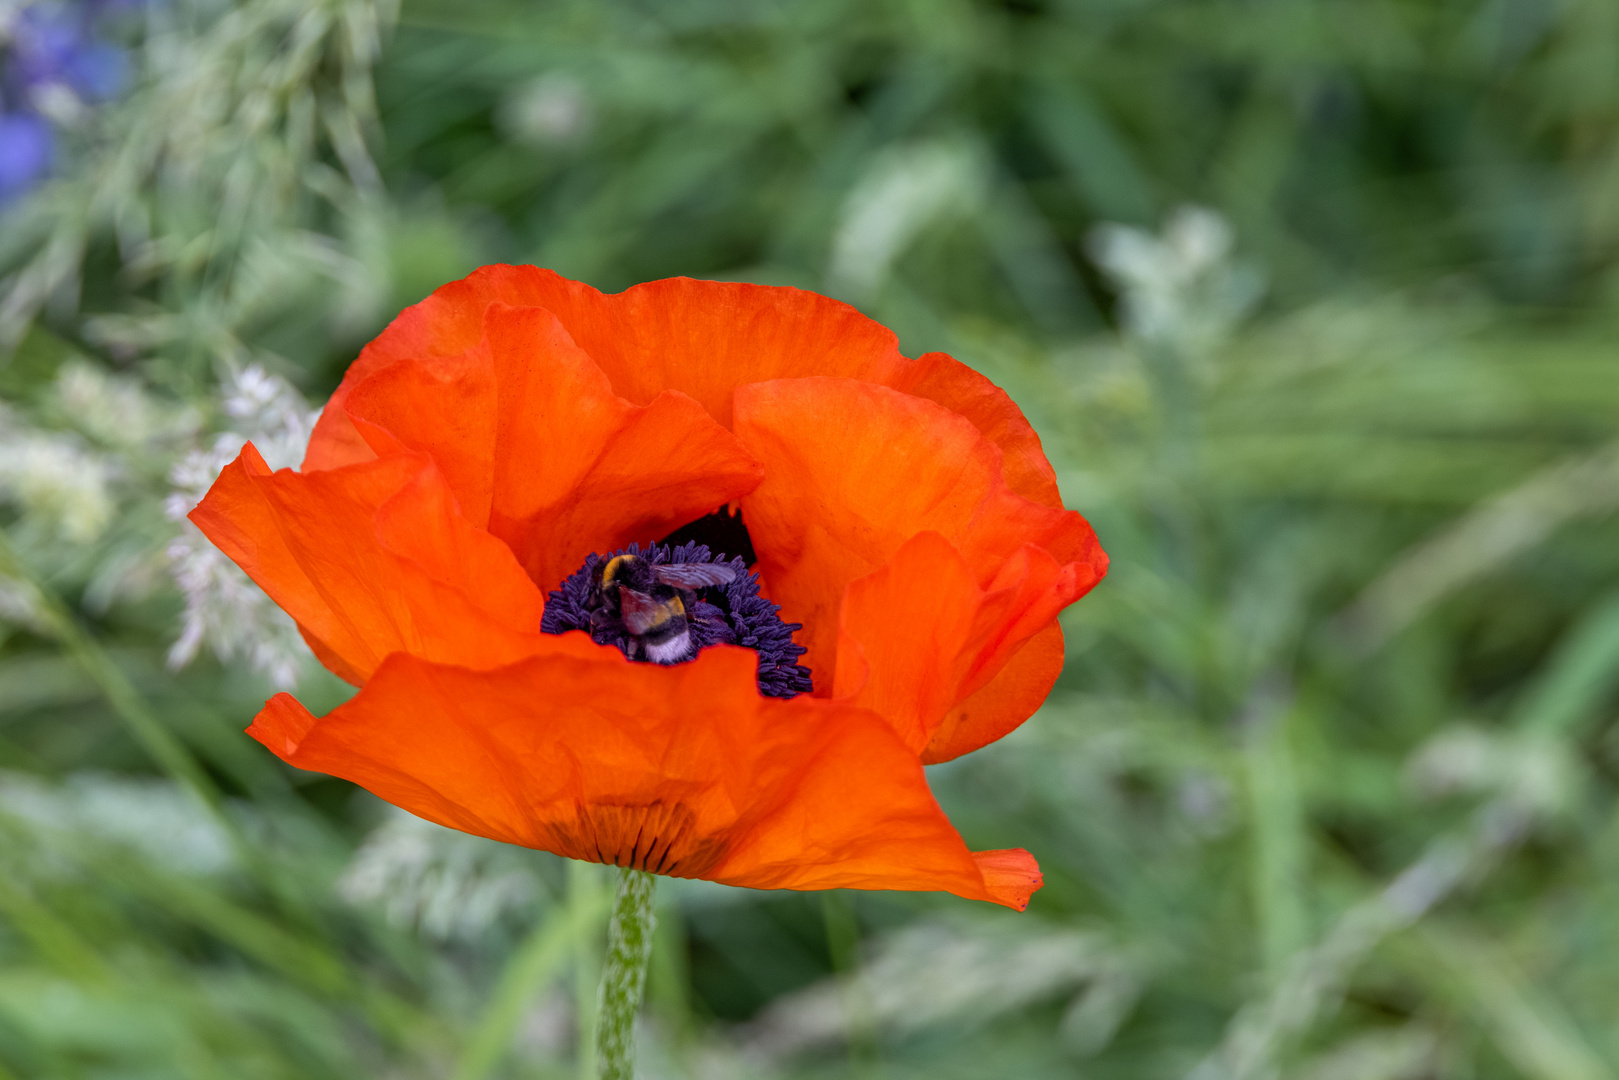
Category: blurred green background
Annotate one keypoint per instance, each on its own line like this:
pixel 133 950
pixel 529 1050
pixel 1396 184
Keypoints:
pixel 1312 302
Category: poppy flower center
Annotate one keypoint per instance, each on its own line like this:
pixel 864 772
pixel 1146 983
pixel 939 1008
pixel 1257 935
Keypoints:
pixel 667 602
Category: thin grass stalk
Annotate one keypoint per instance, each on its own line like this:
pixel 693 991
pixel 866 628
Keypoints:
pixel 166 750
pixel 537 960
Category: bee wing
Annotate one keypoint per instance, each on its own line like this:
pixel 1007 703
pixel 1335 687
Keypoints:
pixel 694 575
pixel 641 612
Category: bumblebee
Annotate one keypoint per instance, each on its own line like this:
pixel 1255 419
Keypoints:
pixel 650 605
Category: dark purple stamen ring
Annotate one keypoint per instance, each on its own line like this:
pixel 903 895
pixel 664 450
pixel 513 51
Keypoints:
pixel 730 614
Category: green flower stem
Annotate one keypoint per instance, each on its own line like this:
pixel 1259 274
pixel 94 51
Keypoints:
pixel 629 946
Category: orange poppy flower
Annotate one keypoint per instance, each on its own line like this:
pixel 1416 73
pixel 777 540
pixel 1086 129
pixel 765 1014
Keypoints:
pixel 504 437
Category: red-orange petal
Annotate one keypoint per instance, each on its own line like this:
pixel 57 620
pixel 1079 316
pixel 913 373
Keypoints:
pixel 329 658
pixel 446 408
pixel 702 338
pixel 1010 876
pixel 579 469
pixel 1000 705
pixel 942 379
pixel 372 559
pixel 919 636
pixel 706 338
pixel 853 471
pixel 541 451
pixel 686 771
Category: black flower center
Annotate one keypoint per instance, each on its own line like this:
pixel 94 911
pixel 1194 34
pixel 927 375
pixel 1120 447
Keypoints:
pixel 663 616
pixel 720 531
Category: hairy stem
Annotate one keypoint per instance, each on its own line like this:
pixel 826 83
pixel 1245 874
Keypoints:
pixel 629 945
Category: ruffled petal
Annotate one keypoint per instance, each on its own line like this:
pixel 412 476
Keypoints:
pixel 579 469
pixel 372 559
pixel 446 324
pixel 706 338
pixel 685 771
pixel 539 448
pixel 329 659
pixel 1000 705
pixel 446 408
pixel 702 338
pixel 1010 876
pixel 853 471
pixel 943 379
pixel 919 636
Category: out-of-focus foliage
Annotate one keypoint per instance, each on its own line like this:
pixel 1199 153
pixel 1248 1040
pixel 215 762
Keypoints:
pixel 1329 787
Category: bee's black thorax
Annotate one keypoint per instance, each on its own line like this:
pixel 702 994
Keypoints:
pixel 664 633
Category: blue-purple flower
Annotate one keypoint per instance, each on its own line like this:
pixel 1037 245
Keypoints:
pixel 53 62
pixel 26 149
